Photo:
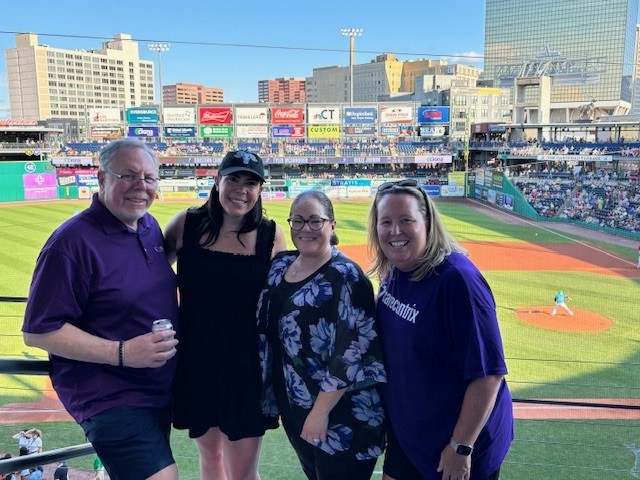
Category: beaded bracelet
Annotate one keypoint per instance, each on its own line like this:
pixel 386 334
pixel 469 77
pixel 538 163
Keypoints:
pixel 121 353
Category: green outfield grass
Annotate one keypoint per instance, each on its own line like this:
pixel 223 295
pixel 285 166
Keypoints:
pixel 542 363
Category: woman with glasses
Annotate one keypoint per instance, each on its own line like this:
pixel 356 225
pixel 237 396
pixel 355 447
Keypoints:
pixel 320 350
pixel 448 406
pixel 223 249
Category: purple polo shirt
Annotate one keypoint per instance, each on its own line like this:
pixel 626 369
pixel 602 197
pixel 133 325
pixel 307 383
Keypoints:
pixel 438 335
pixel 106 279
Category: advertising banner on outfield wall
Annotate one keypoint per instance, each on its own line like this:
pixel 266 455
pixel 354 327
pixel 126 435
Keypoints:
pixel 106 132
pixel 39 186
pixel 252 116
pixel 252 131
pixel 360 130
pixel 179 131
pixel 179 116
pixel 396 130
pixel 142 115
pixel 143 132
pixel 360 115
pixel 104 116
pixel 72 160
pixel 396 114
pixel 432 190
pixel 287 115
pixel 323 115
pixel 216 132
pixel 433 158
pixel 323 131
pixel 452 190
pixel 215 116
pixel 296 131
pixel 431 115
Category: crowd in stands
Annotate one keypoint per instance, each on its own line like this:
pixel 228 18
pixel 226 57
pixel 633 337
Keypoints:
pixel 546 196
pixel 598 197
pixel 607 203
pixel 281 148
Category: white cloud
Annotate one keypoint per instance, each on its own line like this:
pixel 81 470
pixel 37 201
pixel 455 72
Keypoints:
pixel 473 58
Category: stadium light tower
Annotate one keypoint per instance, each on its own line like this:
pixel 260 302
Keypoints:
pixel 160 48
pixel 352 33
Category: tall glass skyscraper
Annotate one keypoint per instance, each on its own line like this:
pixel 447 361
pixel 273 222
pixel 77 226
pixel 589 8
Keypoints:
pixel 517 31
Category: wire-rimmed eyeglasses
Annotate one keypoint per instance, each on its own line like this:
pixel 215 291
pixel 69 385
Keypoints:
pixel 315 223
pixel 134 179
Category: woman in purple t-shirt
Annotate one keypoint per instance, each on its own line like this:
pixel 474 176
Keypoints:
pixel 447 402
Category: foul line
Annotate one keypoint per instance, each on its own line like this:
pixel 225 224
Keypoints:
pixel 555 232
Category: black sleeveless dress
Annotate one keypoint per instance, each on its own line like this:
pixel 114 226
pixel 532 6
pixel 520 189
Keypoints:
pixel 218 378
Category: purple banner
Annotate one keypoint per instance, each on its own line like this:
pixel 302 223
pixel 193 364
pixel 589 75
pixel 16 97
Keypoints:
pixel 39 186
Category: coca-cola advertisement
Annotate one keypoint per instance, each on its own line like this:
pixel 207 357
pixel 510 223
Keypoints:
pixel 215 115
pixel 287 115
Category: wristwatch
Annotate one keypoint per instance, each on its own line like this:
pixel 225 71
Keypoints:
pixel 461 449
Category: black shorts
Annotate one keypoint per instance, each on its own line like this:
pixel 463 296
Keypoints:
pixel 132 442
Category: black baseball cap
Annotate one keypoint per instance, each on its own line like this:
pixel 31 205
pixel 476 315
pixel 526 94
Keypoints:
pixel 242 161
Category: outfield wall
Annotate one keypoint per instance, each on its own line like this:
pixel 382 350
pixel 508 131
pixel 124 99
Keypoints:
pixel 21 181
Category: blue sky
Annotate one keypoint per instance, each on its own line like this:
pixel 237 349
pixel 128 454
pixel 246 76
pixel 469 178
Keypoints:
pixel 205 41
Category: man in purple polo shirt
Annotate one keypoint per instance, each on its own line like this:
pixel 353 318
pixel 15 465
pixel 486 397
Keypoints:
pixel 100 281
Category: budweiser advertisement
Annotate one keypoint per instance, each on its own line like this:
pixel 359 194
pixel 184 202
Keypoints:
pixel 287 115
pixel 215 115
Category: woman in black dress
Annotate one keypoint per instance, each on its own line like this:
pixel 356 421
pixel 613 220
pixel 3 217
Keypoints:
pixel 224 250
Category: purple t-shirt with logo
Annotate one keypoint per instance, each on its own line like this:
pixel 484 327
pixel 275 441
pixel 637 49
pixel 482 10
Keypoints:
pixel 113 282
pixel 438 335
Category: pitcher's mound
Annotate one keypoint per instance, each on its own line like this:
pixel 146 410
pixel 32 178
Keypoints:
pixel 582 320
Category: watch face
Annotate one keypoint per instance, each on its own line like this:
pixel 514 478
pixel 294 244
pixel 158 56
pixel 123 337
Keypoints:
pixel 464 450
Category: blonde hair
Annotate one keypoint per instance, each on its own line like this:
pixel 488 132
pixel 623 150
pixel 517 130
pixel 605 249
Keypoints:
pixel 440 242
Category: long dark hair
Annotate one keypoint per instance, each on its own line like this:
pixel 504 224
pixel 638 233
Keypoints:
pixel 213 218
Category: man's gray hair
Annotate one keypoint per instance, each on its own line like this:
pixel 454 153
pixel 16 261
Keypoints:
pixel 109 151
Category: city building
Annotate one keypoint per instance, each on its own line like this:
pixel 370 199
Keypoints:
pixel 47 82
pixel 564 61
pixel 387 79
pixel 282 90
pixel 635 98
pixel 371 81
pixel 191 94
pixel 469 105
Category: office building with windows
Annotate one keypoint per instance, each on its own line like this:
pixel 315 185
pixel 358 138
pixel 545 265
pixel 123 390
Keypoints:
pixel 282 90
pixel 191 94
pixel 47 82
pixel 581 51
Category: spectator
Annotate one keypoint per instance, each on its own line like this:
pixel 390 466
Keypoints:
pixel 98 468
pixel 100 281
pixel 36 473
pixel 449 407
pixel 223 249
pixel 35 445
pixel 62 472
pixel 23 437
pixel 322 361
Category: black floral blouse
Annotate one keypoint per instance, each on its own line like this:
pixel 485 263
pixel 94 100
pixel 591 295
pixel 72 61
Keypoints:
pixel 328 342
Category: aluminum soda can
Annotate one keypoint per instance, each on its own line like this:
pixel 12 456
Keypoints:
pixel 162 324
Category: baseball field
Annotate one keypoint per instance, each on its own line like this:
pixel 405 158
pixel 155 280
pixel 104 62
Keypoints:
pixel 592 357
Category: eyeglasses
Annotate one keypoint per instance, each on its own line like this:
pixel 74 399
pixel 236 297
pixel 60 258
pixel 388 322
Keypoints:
pixel 315 223
pixel 405 183
pixel 399 183
pixel 134 179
